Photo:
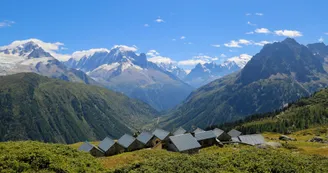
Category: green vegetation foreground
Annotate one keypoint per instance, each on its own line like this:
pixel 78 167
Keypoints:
pixel 41 157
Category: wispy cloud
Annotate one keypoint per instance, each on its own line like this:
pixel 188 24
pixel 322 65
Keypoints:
pixel 251 24
pixel 159 20
pixel 251 32
pixel 262 43
pixel 216 45
pixel 174 39
pixel 257 14
pixel 238 43
pixel 182 37
pixel 146 25
pixel 188 43
pixel 288 33
pixel 320 39
pixel 6 23
pixel 262 31
pixel 326 33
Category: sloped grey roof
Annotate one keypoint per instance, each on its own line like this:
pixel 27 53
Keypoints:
pixel 106 144
pixel 86 146
pixel 204 135
pixel 234 133
pixel 217 132
pixel 198 130
pixel 185 142
pixel 179 131
pixel 144 137
pixel 126 140
pixel 161 134
pixel 254 139
pixel 235 139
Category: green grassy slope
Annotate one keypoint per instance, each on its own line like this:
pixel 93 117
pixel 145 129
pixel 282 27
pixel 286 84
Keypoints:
pixel 39 108
pixel 40 157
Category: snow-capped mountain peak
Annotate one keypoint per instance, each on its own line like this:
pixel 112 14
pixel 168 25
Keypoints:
pixel 78 55
pixel 240 60
pixel 31 48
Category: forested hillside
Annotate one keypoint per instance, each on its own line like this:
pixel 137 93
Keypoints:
pixel 303 114
pixel 39 108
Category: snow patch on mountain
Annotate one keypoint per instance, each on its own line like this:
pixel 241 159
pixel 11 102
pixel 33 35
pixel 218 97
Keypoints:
pixel 240 60
pixel 78 55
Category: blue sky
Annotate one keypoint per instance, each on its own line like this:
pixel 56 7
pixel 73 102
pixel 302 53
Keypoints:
pixel 184 31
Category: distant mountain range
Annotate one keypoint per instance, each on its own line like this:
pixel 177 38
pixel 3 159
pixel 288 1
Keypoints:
pixel 280 73
pixel 122 70
pixel 28 56
pixel 34 107
pixel 161 85
pixel 203 74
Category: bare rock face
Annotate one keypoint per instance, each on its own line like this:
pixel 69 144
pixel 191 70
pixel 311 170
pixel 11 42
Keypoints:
pixel 270 145
pixel 286 138
pixel 317 139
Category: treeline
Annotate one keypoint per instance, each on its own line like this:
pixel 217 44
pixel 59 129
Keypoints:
pixel 305 113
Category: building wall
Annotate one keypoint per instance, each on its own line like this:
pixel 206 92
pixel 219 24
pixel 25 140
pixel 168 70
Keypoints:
pixel 115 149
pixel 96 153
pixel 224 137
pixel 207 142
pixel 136 145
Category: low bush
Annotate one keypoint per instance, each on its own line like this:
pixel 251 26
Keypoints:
pixel 41 157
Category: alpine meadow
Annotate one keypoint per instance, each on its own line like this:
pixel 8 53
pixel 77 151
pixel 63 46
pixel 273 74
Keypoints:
pixel 168 86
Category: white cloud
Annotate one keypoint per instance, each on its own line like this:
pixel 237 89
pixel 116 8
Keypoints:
pixel 238 43
pixel 262 31
pixel 182 37
pixel 252 24
pixel 321 39
pixel 259 14
pixel 146 25
pixel 188 43
pixel 223 55
pixel 155 57
pixel 215 45
pixel 159 20
pixel 152 53
pixel 232 43
pixel 200 59
pixel 261 43
pixel 192 62
pixel 161 59
pixel 6 23
pixel 248 14
pixel 124 48
pixel 251 32
pixel 245 42
pixel 326 33
pixel 288 33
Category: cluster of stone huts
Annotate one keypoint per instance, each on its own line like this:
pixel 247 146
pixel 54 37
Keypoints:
pixel 178 141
